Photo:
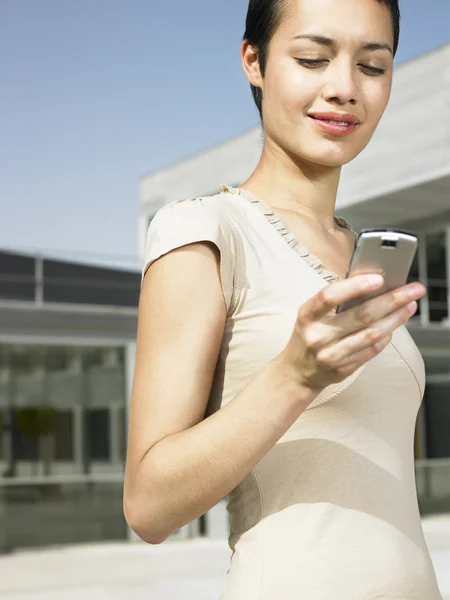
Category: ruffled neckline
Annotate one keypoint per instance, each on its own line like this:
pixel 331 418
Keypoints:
pixel 277 221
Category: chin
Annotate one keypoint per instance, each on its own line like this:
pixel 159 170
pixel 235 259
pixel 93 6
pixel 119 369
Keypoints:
pixel 336 156
pixel 333 161
pixel 326 159
pixel 328 153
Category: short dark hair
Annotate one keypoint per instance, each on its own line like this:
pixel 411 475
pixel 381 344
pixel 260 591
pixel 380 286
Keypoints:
pixel 265 16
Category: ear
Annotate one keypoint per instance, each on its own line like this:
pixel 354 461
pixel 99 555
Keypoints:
pixel 250 64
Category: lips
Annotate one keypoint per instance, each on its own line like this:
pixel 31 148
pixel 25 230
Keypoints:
pixel 334 128
pixel 338 117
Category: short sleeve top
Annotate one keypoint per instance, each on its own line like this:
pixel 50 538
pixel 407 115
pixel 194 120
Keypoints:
pixel 187 221
pixel 331 510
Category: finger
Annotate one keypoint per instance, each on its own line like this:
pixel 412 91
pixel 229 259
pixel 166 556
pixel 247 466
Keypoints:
pixel 330 297
pixel 364 339
pixel 360 358
pixel 375 309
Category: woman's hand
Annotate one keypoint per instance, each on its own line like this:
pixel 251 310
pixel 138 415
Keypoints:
pixel 326 347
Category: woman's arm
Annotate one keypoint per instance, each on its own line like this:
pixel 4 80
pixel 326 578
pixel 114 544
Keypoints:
pixel 180 465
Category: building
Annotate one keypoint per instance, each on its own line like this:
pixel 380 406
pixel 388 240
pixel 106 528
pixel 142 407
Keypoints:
pixel 401 179
pixel 68 329
pixel 67 339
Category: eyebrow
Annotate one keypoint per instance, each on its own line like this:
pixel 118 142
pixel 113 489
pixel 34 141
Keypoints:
pixel 326 41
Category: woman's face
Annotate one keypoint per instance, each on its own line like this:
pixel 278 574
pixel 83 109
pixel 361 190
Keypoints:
pixel 341 81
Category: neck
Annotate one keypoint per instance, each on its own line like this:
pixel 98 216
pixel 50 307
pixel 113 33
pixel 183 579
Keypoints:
pixel 303 187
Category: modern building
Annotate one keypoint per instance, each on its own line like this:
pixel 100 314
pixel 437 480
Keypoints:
pixel 68 329
pixel 67 339
pixel 401 179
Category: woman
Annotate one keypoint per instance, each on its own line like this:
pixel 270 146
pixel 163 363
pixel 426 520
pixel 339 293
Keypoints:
pixel 248 384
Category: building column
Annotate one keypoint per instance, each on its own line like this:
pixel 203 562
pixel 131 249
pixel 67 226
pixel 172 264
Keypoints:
pixel 130 360
pixel 39 280
pixel 77 412
pixel 113 433
pixel 420 435
pixel 5 440
pixel 423 278
pixel 217 522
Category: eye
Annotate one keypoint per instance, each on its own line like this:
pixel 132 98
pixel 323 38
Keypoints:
pixel 311 63
pixel 374 70
pixel 308 62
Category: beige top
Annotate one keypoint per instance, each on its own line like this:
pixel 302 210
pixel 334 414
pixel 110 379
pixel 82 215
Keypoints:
pixel 331 512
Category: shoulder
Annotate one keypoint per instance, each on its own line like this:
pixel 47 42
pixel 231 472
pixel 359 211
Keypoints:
pixel 202 207
pixel 191 220
pixel 201 210
pixel 215 217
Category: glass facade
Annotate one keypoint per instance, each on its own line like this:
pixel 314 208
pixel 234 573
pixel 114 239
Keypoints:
pixel 58 512
pixel 433 448
pixel 62 443
pixel 415 276
pixel 436 252
pixel 437 407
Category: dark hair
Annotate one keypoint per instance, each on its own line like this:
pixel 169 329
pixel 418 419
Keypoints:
pixel 265 16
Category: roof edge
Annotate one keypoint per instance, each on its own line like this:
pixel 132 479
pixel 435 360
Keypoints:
pixel 199 153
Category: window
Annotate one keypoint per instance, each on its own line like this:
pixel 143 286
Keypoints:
pixel 437 407
pixel 96 427
pixel 414 276
pixel 62 408
pixel 33 424
pixel 436 244
pixel 64 443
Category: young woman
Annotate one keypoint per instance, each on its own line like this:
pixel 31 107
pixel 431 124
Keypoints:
pixel 248 384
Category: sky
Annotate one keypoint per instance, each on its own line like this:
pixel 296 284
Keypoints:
pixel 95 94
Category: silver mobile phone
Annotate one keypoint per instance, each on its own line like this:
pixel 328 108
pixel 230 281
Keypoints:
pixel 383 250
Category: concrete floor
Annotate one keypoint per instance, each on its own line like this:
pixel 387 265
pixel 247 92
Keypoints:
pixel 187 570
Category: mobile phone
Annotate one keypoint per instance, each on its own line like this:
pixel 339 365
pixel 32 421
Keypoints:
pixel 385 250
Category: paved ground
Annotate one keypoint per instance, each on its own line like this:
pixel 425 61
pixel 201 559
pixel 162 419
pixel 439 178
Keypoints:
pixel 182 570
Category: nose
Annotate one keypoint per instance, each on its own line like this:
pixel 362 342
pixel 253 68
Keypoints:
pixel 341 82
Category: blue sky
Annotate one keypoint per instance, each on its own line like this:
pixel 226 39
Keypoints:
pixel 97 93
